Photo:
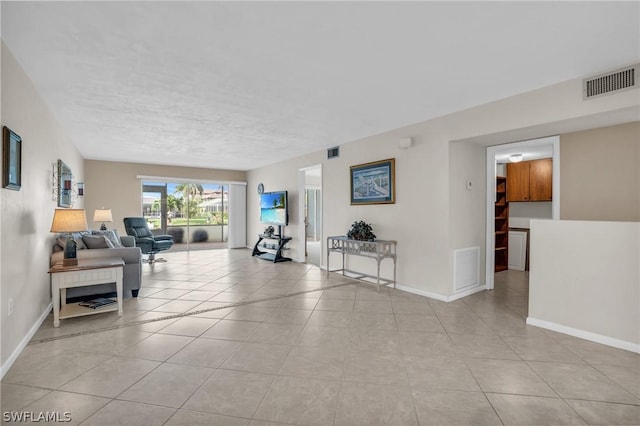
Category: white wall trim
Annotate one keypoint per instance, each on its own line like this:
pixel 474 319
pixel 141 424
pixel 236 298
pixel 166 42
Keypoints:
pixel 190 180
pixel 25 340
pixel 466 293
pixel 587 335
pixel 301 255
pixel 437 296
pixel 419 292
pixel 428 294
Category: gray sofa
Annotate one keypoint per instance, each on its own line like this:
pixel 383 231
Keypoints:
pixel 132 272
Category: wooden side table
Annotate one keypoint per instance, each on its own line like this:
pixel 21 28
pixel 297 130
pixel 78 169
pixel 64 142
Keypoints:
pixel 86 272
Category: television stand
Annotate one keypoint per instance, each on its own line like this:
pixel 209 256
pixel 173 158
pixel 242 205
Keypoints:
pixel 270 247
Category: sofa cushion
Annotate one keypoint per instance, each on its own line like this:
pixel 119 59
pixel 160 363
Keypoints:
pixel 111 235
pixel 61 240
pixel 97 241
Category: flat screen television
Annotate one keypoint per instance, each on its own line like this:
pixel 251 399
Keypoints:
pixel 273 208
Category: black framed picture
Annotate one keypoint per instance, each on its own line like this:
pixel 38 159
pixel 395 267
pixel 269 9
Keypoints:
pixel 11 159
pixel 374 183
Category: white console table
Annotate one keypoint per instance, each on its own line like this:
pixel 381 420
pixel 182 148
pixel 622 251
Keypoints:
pixel 377 250
pixel 86 272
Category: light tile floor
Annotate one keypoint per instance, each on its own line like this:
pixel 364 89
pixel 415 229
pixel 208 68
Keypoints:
pixel 346 355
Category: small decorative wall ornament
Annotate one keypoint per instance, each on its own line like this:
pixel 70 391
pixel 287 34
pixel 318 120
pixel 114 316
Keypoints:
pixel 64 190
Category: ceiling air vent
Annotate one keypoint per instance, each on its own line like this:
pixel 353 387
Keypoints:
pixel 333 152
pixel 615 81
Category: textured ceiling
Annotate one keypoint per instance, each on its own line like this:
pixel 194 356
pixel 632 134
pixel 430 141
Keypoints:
pixel 241 85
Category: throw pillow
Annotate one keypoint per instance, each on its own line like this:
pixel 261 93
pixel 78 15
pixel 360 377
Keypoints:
pixel 96 241
pixel 111 235
pixel 61 240
pixel 78 237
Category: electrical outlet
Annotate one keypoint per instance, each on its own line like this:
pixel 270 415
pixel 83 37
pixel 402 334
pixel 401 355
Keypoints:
pixel 469 185
pixel 10 308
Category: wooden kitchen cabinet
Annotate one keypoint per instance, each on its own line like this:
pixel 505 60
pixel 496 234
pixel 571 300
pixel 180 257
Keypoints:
pixel 540 178
pixel 530 180
pixel 518 181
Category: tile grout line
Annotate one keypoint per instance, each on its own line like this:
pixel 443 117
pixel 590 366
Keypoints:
pixel 119 395
pixel 184 314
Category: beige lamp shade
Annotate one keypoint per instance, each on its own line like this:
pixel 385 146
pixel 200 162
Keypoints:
pixel 102 215
pixel 69 220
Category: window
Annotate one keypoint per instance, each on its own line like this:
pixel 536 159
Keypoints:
pixel 195 214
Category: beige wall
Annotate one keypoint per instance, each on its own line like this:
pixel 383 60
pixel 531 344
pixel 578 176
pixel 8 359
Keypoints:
pixel 26 214
pixel 585 280
pixel 432 216
pixel 467 163
pixel 390 221
pixel 116 186
pixel 283 178
pixel 600 174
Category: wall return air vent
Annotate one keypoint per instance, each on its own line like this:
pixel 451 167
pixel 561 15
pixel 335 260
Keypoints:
pixel 611 82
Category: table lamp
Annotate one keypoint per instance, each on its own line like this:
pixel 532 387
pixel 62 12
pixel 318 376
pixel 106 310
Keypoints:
pixel 102 215
pixel 68 221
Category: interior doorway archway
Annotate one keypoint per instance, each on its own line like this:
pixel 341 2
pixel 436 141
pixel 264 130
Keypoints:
pixel 493 154
pixel 311 213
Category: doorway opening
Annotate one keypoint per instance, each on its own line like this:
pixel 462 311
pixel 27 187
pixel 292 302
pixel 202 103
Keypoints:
pixel 310 234
pixel 313 234
pixel 504 222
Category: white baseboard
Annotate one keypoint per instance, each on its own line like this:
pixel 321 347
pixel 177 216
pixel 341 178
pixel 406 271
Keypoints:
pixel 25 340
pixel 421 292
pixel 440 297
pixel 429 294
pixel 466 293
pixel 586 335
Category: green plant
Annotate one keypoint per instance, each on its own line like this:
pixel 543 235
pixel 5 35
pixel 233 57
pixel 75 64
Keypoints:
pixel 361 231
pixel 191 198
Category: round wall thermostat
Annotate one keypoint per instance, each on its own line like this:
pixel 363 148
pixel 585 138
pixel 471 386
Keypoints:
pixel 260 188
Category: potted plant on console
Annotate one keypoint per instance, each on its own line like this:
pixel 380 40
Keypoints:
pixel 361 231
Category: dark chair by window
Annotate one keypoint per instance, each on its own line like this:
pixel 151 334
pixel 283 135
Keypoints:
pixel 149 244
